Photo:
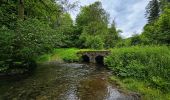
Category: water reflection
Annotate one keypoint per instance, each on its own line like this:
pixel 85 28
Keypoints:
pixel 54 81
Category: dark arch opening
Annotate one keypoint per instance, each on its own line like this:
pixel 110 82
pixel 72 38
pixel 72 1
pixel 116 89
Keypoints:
pixel 85 58
pixel 100 60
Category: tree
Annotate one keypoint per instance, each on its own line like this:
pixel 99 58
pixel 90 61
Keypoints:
pixel 92 13
pixel 64 26
pixel 164 4
pixel 95 32
pixel 159 32
pixel 136 39
pixel 92 22
pixel 33 34
pixel 152 10
pixel 112 37
pixel 21 9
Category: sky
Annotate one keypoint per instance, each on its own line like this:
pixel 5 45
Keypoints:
pixel 129 15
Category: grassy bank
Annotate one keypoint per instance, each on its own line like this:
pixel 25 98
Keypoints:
pixel 142 69
pixel 146 91
pixel 62 54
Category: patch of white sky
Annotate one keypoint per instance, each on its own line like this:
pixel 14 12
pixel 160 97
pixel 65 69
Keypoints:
pixel 129 15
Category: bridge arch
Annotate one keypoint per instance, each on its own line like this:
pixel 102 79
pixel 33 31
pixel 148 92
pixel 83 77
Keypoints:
pixel 99 59
pixel 93 56
pixel 85 58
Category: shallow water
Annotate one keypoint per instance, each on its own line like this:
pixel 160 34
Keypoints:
pixel 54 81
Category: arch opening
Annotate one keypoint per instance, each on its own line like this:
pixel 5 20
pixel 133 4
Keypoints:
pixel 100 60
pixel 85 58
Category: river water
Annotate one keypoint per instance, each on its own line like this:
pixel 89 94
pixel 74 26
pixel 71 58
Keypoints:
pixel 55 81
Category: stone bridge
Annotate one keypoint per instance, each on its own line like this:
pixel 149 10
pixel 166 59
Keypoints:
pixel 94 56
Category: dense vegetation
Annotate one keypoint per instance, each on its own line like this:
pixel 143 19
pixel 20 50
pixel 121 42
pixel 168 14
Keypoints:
pixel 147 63
pixel 31 28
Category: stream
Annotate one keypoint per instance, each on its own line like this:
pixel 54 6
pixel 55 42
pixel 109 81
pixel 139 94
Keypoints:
pixel 56 81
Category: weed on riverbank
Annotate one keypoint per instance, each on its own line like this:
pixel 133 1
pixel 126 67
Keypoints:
pixel 143 69
pixel 142 87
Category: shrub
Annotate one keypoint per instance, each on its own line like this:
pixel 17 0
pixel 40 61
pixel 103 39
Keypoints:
pixel 150 63
pixel 6 43
pixel 30 39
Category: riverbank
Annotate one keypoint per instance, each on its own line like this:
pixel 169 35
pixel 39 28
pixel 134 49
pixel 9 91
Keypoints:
pixel 145 70
pixel 140 69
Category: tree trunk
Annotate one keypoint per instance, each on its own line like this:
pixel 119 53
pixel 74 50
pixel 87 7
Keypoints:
pixel 21 9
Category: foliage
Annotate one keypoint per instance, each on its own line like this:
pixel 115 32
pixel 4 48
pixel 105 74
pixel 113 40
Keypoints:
pixel 31 39
pixel 92 13
pixel 8 14
pixel 143 63
pixel 112 38
pixel 94 31
pixel 94 42
pixel 152 10
pixel 93 35
pixel 164 4
pixel 64 26
pixel 135 40
pixel 30 30
pixel 6 42
pixel 34 38
pixel 158 32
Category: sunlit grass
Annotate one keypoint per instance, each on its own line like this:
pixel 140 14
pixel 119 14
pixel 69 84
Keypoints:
pixel 61 54
pixel 68 55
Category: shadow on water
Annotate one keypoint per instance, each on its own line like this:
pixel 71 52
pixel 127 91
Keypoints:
pixel 54 81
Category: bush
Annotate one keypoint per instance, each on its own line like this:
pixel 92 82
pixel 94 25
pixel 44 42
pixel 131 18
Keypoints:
pixel 94 42
pixel 6 43
pixel 150 63
pixel 34 38
pixel 30 39
pixel 159 31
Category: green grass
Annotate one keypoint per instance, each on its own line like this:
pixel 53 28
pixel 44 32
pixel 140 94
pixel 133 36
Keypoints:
pixel 142 87
pixel 68 55
pixel 61 54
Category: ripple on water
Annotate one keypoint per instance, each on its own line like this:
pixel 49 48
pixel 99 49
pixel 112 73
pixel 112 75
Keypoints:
pixel 56 81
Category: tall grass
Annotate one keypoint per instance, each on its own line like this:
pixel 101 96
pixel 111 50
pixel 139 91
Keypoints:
pixel 146 63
